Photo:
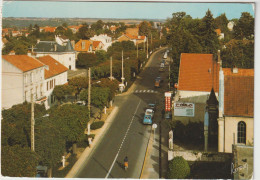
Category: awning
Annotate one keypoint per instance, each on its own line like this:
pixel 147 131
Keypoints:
pixel 41 100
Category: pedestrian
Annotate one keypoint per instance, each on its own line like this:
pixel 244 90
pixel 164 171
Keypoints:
pixel 90 141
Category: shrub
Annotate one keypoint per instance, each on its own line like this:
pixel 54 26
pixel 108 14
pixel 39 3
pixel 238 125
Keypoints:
pixel 178 168
pixel 96 125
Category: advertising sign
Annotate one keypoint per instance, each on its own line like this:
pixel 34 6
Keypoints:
pixel 184 109
pixel 168 96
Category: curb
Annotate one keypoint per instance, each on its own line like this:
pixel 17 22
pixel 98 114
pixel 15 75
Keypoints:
pixel 88 151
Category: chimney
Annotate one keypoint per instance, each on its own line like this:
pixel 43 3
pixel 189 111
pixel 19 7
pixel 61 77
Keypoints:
pixel 83 44
pixel 73 44
pixel 219 60
pixel 235 70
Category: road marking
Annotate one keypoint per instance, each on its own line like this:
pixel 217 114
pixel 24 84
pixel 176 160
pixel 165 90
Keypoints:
pixel 148 91
pixel 144 91
pixel 122 141
pixel 152 91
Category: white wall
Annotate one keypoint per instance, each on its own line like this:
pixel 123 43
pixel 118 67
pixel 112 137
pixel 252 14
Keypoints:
pixel 68 59
pixel 184 94
pixel 231 124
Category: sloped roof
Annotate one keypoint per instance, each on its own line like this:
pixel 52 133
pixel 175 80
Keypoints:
pixel 239 96
pixel 78 45
pixel 198 72
pixel 218 31
pixel 55 67
pixel 96 44
pixel 49 46
pixel 241 72
pixel 23 62
pixel 132 31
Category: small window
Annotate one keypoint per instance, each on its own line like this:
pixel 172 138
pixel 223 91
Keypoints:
pixel 241 132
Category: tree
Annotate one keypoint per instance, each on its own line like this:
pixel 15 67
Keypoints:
pixel 244 27
pixel 72 121
pixel 49 142
pixel 178 168
pixel 16 124
pixel 145 28
pixel 61 91
pixel 17 161
pixel 60 30
pixel 82 31
pixel 79 83
pixel 112 85
pixel 101 55
pixel 209 40
pixel 87 60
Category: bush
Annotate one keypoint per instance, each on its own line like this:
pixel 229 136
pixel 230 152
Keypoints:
pixel 96 125
pixel 178 168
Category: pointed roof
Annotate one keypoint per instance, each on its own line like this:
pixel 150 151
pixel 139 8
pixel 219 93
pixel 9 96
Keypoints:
pixel 23 62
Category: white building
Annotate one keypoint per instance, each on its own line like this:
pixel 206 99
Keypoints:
pixel 106 40
pixel 55 74
pixel 21 76
pixel 230 25
pixel 65 54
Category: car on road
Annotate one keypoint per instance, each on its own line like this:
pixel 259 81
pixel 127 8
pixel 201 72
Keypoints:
pixel 147 119
pixel 149 112
pixel 158 82
pixel 152 106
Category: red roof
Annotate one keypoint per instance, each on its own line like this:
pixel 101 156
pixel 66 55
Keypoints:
pixel 23 62
pixel 218 31
pixel 239 96
pixel 198 72
pixel 96 44
pixel 241 72
pixel 55 67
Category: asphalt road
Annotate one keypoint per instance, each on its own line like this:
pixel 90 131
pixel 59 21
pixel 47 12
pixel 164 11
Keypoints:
pixel 127 135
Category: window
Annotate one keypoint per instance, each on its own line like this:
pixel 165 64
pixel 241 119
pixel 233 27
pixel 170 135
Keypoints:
pixel 241 132
pixel 47 85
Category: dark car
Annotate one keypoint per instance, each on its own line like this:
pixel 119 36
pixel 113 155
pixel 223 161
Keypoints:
pixel 152 106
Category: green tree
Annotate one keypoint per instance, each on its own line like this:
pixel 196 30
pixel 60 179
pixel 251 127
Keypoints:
pixel 101 55
pixel 49 142
pixel 60 30
pixel 145 29
pixel 209 41
pixel 71 120
pixel 17 161
pixel 79 83
pixel 61 91
pixel 244 27
pixel 87 60
pixel 178 168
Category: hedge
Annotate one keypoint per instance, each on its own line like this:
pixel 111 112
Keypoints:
pixel 178 168
pixel 96 125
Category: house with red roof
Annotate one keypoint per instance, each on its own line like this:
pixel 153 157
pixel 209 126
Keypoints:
pixel 236 108
pixel 47 29
pixel 22 76
pixel 220 35
pixel 129 37
pixel 88 46
pixel 55 74
pixel 198 74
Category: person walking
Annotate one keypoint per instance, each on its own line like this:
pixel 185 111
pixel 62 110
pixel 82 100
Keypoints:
pixel 126 163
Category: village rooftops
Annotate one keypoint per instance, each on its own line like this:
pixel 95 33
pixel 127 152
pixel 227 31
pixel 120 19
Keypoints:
pixel 51 46
pixel 23 62
pixel 55 67
pixel 198 72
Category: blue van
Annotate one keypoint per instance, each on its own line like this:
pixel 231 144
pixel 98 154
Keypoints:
pixel 147 119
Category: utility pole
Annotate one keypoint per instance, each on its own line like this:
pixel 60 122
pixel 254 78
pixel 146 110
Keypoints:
pixel 123 68
pixel 32 123
pixel 111 73
pixel 137 49
pixel 169 76
pixel 147 48
pixel 151 40
pixel 89 99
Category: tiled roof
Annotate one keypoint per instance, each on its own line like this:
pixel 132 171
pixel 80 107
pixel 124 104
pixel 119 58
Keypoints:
pixel 49 46
pixel 239 96
pixel 48 29
pixel 241 72
pixel 78 45
pixel 55 67
pixel 218 31
pixel 96 44
pixel 198 72
pixel 132 31
pixel 23 62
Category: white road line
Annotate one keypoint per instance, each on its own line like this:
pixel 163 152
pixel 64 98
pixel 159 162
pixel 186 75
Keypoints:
pixel 136 91
pixel 148 90
pixel 141 91
pixel 122 141
pixel 152 91
pixel 144 91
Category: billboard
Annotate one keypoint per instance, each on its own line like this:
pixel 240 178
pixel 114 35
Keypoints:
pixel 167 101
pixel 184 109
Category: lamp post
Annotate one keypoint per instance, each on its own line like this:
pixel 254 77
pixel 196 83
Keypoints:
pixel 122 68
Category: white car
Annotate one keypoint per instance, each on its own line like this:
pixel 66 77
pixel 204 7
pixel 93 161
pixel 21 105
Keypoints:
pixel 149 112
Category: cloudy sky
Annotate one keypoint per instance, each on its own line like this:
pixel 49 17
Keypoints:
pixel 141 10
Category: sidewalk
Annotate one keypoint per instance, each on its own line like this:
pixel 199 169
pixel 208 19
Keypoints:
pixel 151 167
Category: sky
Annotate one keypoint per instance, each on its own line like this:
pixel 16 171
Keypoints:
pixel 130 10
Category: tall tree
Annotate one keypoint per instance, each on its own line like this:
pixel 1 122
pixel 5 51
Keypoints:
pixel 145 29
pixel 244 27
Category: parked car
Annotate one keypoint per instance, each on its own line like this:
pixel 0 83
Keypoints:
pixel 81 103
pixel 149 112
pixel 41 171
pixel 147 119
pixel 152 106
